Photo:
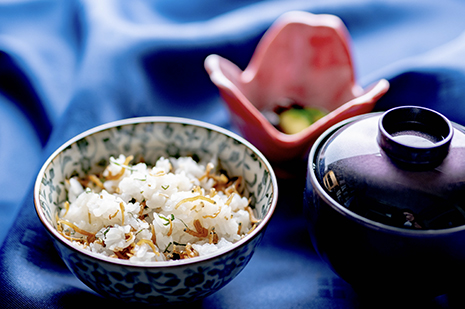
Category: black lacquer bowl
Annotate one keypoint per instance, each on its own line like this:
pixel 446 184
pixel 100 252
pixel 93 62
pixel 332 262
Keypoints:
pixel 385 200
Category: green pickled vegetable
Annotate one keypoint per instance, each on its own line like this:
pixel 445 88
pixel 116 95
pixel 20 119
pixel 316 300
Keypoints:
pixel 294 120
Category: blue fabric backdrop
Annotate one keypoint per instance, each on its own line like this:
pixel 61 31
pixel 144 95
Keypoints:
pixel 66 66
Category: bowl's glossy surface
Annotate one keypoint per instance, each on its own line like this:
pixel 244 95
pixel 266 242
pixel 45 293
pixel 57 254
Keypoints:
pixel 152 137
pixel 302 58
pixel 356 231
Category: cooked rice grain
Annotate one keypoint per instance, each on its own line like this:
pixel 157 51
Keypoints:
pixel 176 209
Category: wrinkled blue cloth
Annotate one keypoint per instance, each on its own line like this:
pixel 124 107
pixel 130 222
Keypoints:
pixel 67 66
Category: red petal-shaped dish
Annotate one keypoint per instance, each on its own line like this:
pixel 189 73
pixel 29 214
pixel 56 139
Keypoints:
pixel 302 57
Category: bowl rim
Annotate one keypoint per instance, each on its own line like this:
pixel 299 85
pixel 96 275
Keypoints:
pixel 318 189
pixel 158 264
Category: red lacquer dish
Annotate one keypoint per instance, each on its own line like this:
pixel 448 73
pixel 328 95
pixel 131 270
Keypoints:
pixel 303 58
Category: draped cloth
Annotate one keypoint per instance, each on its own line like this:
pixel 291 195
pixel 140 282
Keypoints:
pixel 67 66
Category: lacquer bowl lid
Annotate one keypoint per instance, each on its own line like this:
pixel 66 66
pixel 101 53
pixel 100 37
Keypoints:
pixel 404 168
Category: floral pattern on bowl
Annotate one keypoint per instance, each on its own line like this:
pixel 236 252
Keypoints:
pixel 304 58
pixel 150 138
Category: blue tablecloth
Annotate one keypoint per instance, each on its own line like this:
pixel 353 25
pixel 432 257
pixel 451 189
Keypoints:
pixel 66 66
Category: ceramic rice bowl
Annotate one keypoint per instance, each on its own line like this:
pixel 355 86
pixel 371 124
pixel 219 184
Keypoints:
pixel 151 137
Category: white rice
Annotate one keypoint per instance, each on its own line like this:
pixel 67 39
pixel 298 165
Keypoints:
pixel 113 214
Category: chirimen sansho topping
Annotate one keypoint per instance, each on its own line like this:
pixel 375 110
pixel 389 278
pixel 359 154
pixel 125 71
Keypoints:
pixel 176 209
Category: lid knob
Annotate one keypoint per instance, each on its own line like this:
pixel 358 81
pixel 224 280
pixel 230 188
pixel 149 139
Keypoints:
pixel 415 137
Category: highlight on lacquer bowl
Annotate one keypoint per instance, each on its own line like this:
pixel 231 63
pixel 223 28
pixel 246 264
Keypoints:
pixel 156 209
pixel 299 82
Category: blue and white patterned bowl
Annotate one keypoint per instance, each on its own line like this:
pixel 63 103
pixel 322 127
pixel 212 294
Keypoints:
pixel 152 137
